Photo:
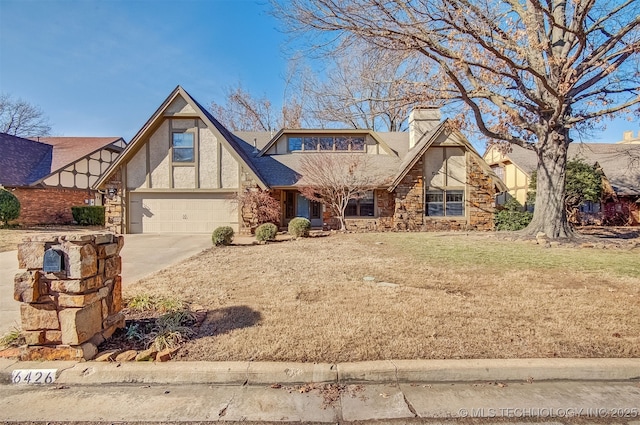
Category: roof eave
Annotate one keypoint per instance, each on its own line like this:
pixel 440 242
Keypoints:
pixel 132 147
pixel 416 156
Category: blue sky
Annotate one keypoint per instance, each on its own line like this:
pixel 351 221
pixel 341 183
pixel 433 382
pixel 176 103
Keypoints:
pixel 101 68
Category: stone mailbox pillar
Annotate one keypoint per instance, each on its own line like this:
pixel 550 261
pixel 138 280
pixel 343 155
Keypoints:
pixel 69 307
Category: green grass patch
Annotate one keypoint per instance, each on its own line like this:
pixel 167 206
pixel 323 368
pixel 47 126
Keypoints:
pixel 146 302
pixel 484 252
pixel 13 338
pixel 141 302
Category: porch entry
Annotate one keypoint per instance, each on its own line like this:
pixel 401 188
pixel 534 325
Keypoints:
pixel 296 205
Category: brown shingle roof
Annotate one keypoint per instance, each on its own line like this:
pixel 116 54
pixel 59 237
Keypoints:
pixel 70 149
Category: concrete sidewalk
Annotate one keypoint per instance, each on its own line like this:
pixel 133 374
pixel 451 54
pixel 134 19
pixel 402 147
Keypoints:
pixel 9 308
pixel 553 402
pixel 522 391
pixel 144 254
pixel 141 256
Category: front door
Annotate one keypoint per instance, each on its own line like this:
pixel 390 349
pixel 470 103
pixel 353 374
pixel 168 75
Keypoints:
pixel 302 207
pixel 296 205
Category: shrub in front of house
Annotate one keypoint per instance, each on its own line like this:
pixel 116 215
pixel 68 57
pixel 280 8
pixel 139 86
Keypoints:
pixel 223 235
pixel 9 207
pixel 512 216
pixel 266 232
pixel 299 227
pixel 88 215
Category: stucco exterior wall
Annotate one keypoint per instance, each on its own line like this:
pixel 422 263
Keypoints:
pixel 179 106
pixel 159 157
pixel 184 177
pixel 82 174
pixel 212 172
pixel 516 180
pixel 230 171
pixel 137 170
pixel 208 158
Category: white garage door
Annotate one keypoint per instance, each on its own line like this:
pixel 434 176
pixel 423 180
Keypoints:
pixel 181 212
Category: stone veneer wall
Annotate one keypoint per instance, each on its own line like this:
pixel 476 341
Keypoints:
pixel 114 205
pixel 409 200
pixel 385 204
pixel 66 315
pixel 482 192
pixel 248 222
pixel 403 210
pixel 409 207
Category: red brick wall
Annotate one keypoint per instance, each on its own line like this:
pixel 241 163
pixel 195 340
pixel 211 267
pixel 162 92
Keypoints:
pixel 48 205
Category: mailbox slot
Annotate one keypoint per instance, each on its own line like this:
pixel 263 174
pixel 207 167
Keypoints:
pixel 53 261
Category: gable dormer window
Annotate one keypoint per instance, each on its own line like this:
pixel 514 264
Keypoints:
pixel 326 143
pixel 182 145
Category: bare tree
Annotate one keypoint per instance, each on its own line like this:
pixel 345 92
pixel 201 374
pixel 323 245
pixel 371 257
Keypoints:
pixel 335 179
pixel 243 112
pixel 20 118
pixel 529 71
pixel 364 87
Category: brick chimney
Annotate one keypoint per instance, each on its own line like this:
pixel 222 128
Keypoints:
pixel 421 121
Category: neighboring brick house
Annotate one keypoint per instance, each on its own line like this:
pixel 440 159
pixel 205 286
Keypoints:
pixel 53 174
pixel 619 163
pixel 183 168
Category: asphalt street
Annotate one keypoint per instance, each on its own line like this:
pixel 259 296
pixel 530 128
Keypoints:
pixel 550 402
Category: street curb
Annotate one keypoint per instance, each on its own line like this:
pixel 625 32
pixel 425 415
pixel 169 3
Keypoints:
pixel 386 371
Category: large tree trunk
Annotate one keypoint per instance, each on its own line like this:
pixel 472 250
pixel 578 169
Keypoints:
pixel 549 215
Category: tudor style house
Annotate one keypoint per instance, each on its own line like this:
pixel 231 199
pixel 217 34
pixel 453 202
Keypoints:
pixel 53 174
pixel 620 166
pixel 182 169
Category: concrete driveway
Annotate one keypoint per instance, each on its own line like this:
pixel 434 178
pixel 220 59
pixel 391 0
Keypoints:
pixel 141 256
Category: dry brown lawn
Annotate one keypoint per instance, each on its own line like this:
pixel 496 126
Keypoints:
pixel 458 296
